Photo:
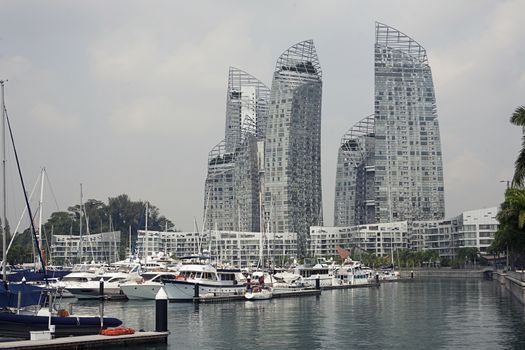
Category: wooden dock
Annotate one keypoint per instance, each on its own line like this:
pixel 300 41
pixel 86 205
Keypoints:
pixel 276 295
pixel 351 286
pixel 89 341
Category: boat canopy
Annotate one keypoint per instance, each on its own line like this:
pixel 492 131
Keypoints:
pixel 31 295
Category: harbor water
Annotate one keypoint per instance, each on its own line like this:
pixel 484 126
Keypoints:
pixel 420 314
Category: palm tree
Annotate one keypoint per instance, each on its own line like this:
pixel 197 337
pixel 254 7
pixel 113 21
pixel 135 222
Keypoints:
pixel 518 118
pixel 510 236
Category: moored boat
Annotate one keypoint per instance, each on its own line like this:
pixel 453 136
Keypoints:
pixel 14 325
pixel 198 273
pixel 145 286
pixel 259 294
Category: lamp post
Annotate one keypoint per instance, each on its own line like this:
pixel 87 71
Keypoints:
pixel 507 252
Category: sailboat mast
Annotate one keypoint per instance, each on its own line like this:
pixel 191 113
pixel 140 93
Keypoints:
pixel 146 235
pixel 80 227
pixel 4 216
pixel 39 236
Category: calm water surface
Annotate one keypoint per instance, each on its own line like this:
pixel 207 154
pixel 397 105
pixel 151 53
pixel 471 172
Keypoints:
pixel 437 314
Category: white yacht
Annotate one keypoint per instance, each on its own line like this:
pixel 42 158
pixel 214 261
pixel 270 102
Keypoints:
pixel 146 286
pixel 86 285
pixel 196 270
pixel 310 274
pixel 352 276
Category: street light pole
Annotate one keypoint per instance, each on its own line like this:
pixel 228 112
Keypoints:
pixel 507 249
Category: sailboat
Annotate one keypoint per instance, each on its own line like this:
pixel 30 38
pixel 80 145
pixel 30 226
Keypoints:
pixel 17 323
pixel 260 291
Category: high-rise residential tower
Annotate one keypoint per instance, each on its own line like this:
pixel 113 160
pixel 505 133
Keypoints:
pixel 354 187
pixel 292 180
pixel 406 166
pixel 233 183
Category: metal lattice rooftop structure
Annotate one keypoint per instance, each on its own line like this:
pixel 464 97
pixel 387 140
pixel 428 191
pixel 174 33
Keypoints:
pixel 299 63
pixel 352 143
pixel 394 39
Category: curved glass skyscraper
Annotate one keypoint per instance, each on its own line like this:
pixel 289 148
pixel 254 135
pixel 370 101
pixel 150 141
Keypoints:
pixel 407 166
pixel 354 186
pixel 292 181
pixel 232 187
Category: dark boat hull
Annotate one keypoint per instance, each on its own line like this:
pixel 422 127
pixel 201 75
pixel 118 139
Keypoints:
pixel 19 326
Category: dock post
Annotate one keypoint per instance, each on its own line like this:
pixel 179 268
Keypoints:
pixel 318 283
pixel 196 291
pixel 19 304
pixel 101 300
pixel 412 274
pixel 377 277
pixel 161 311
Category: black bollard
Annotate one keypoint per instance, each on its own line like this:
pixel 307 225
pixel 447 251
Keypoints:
pixel 196 291
pixel 101 299
pixel 412 274
pixel 377 278
pixel 161 311
pixel 318 283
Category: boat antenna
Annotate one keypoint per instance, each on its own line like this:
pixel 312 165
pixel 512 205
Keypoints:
pixel 33 230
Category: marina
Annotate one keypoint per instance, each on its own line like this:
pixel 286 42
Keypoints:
pixel 190 147
pixel 404 314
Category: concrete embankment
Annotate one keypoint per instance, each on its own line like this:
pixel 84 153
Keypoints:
pixel 514 282
pixel 442 273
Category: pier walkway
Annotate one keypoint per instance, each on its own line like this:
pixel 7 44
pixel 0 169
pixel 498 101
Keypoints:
pixel 89 341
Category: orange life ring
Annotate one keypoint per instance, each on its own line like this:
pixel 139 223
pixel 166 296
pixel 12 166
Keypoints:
pixel 117 331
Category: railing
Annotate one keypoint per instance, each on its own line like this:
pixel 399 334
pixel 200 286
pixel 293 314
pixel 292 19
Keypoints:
pixel 520 276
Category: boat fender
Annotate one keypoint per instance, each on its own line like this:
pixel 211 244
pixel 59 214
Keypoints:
pixel 63 313
pixel 117 331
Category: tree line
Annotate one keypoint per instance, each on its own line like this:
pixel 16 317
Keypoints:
pixel 119 214
pixel 509 240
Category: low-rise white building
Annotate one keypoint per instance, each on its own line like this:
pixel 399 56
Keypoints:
pixel 98 247
pixel 238 249
pixel 379 239
pixel 470 229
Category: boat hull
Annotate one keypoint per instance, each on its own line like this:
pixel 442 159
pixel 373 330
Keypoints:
pixel 19 326
pixel 258 295
pixel 141 291
pixel 184 291
pixel 91 293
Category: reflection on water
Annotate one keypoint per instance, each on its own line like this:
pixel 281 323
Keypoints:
pixel 439 314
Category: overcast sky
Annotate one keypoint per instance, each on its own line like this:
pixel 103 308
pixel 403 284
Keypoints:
pixel 129 96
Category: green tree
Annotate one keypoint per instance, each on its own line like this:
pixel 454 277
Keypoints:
pixel 120 211
pixel 518 118
pixel 511 233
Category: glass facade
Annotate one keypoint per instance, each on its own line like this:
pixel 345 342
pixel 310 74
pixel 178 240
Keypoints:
pixel 292 156
pixel 407 165
pixel 354 187
pixel 233 183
